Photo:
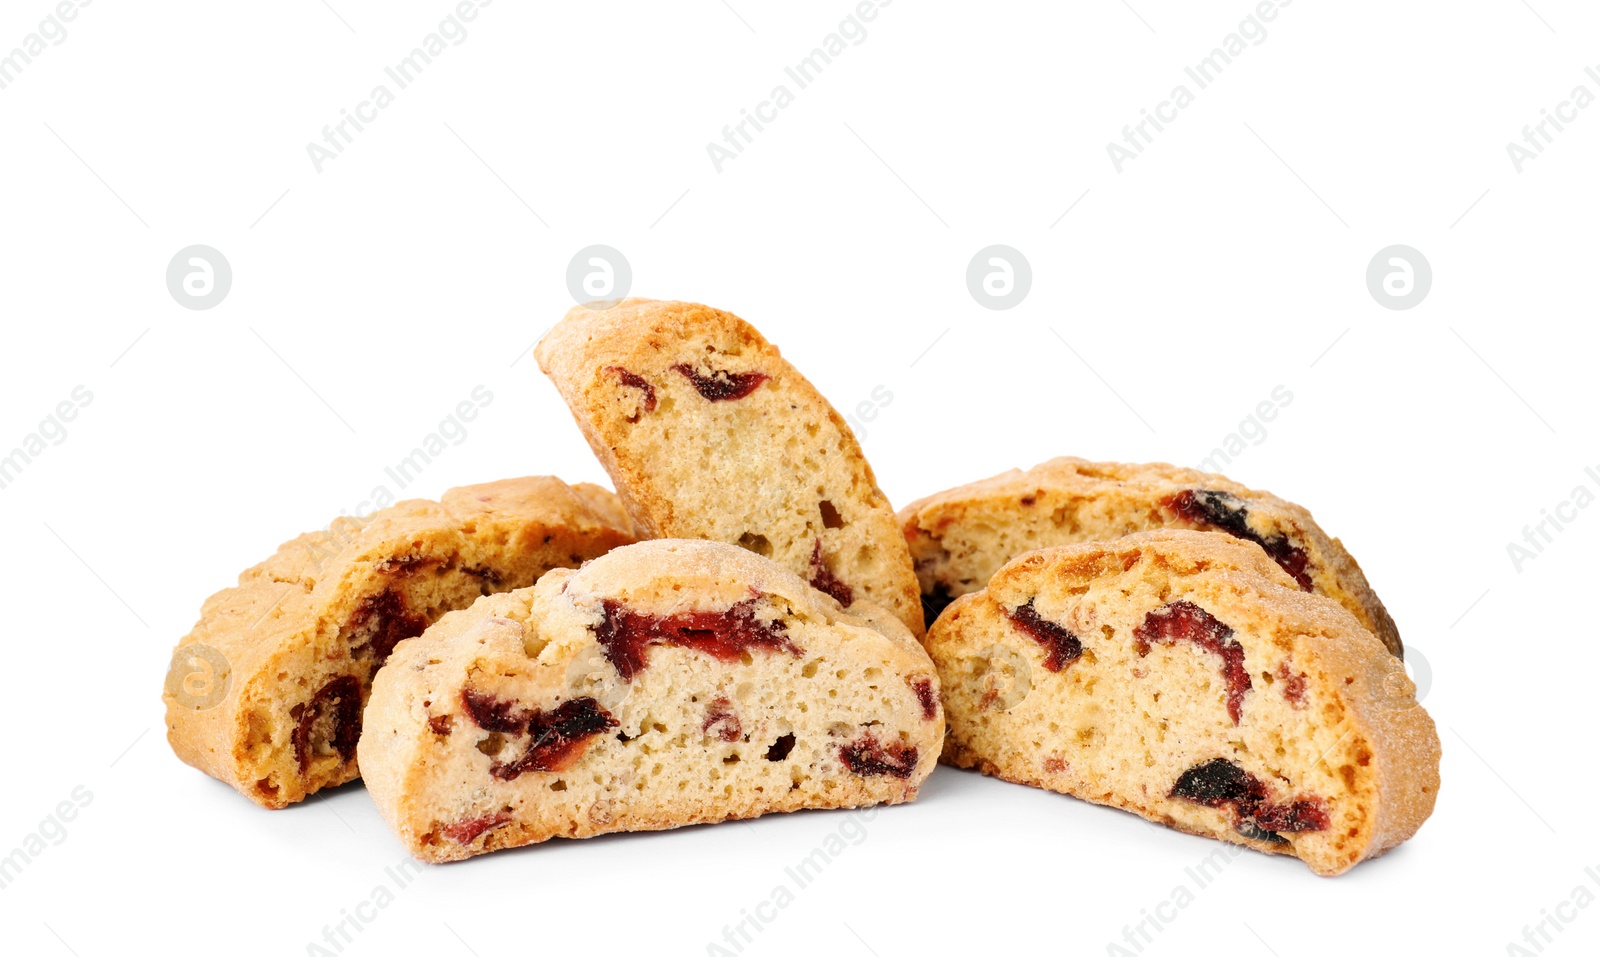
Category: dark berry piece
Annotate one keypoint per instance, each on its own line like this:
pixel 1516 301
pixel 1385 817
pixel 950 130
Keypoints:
pixel 824 580
pixel 1184 621
pixel 560 737
pixel 780 748
pixel 333 715
pixel 441 723
pixel 406 565
pixel 725 635
pixel 490 578
pixel 1061 646
pixel 635 381
pixel 1294 685
pixel 1228 513
pixel 1305 814
pixel 720 386
pixel 1218 782
pixel 383 621
pixel 866 756
pixel 923 689
pixel 465 832
pixel 492 713
pixel 1252 831
pixel 721 719
pixel 1221 783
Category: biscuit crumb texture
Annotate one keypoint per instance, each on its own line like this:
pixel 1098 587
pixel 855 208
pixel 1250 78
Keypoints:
pixel 961 536
pixel 303 633
pixel 708 432
pixel 670 682
pixel 1185 677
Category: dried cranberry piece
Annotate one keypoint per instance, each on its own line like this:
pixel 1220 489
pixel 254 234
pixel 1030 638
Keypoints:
pixel 465 832
pixel 866 756
pixel 1304 814
pixel 405 566
pixel 386 618
pixel 1185 621
pixel 492 713
pixel 721 717
pixel 1221 783
pixel 923 689
pixel 934 603
pixel 824 580
pixel 343 695
pixel 725 635
pixel 720 386
pixel 635 381
pixel 1229 513
pixel 488 576
pixel 1294 685
pixel 560 737
pixel 1061 646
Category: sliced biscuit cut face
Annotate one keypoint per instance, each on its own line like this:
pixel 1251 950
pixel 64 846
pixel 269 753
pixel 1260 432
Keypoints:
pixel 266 693
pixel 708 432
pixel 1184 676
pixel 671 682
pixel 961 536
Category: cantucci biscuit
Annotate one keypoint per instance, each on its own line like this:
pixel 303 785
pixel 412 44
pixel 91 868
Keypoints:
pixel 670 682
pixel 708 432
pixel 1185 677
pixel 266 693
pixel 960 536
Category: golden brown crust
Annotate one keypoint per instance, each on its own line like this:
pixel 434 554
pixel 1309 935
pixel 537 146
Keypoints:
pixel 958 537
pixel 770 466
pixel 1328 712
pixel 326 604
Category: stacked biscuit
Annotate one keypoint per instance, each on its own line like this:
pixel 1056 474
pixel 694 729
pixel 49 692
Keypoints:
pixel 747 627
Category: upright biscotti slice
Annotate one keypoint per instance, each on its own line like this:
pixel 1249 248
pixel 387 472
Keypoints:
pixel 959 537
pixel 1185 677
pixel 266 693
pixel 708 433
pixel 671 682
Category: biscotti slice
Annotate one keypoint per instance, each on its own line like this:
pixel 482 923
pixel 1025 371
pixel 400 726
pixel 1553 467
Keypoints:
pixel 265 694
pixel 1185 677
pixel 671 682
pixel 708 433
pixel 959 537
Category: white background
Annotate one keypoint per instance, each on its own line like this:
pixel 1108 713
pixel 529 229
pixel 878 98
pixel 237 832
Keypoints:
pixel 372 297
